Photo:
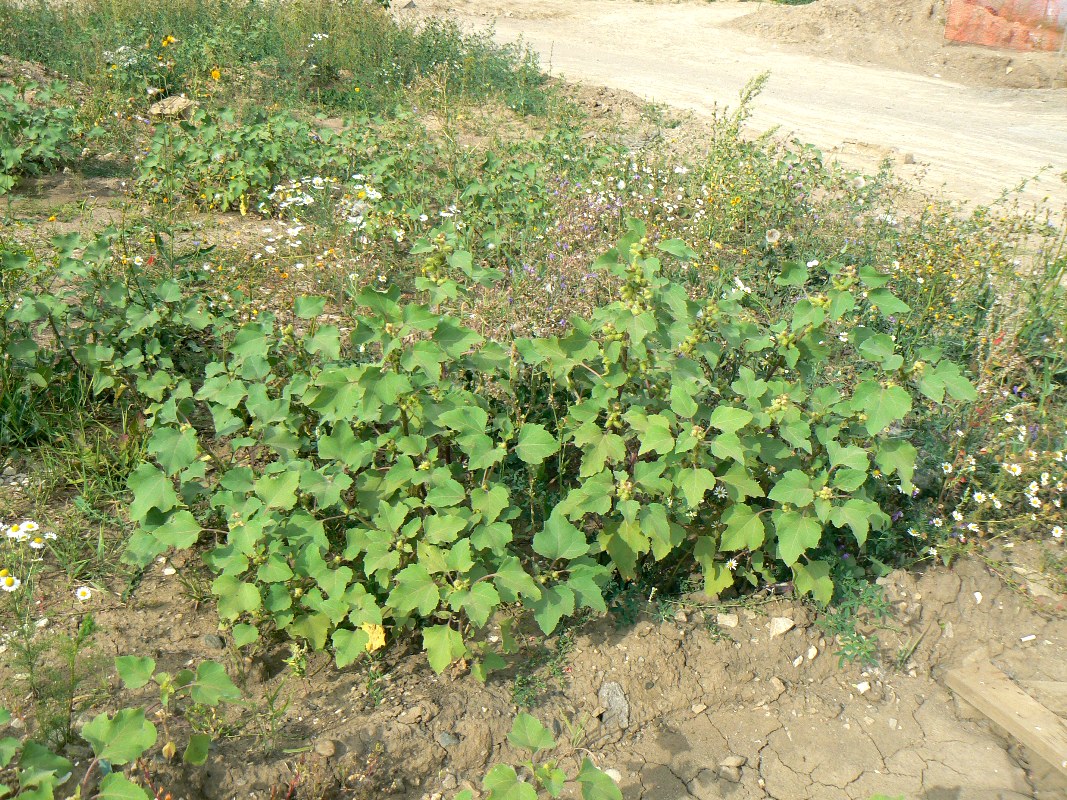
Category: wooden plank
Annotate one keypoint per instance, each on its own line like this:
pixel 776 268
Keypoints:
pixel 994 694
pixel 1051 694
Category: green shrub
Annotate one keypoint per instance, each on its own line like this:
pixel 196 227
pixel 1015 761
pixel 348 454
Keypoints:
pixel 36 135
pixel 393 469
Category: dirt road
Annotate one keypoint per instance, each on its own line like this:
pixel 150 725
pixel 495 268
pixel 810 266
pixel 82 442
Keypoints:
pixel 971 143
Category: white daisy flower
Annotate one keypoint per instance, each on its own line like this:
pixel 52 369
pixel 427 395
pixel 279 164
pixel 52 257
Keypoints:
pixel 83 593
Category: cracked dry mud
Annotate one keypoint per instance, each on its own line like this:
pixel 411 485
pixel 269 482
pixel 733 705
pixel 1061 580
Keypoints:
pixel 807 731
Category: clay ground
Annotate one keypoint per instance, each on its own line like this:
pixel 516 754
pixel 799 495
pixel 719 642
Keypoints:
pixel 862 79
pixel 682 702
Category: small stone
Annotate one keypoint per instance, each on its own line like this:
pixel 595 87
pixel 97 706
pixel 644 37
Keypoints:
pixel 9 472
pixel 948 631
pixel 699 708
pixel 780 625
pixel 616 707
pixel 732 774
pixel 681 617
pixel 978 598
pixel 411 716
pixel 798 661
pixel 726 620
pixel 213 641
pixel 327 748
pixel 893 724
pixel 863 687
pixel 449 782
pixel 614 774
pixel 909 158
pixel 446 739
pixel 169 571
pixel 812 652
pixel 733 761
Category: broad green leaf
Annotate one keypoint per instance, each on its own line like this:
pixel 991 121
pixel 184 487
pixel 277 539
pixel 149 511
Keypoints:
pixel 213 685
pixel 415 589
pixel 180 531
pixel 38 759
pixel 739 484
pixel 814 578
pixel 135 672
pixel 118 787
pixel 794 488
pixel 478 602
pixel 443 645
pixel 528 733
pixel 560 539
pixel 196 752
pixel 885 406
pixel 122 738
pixel 513 581
pixel 694 483
pixel 796 534
pixel 278 491
pixel 503 783
pixel 446 491
pixel 682 402
pixel 853 457
pixel 174 449
pixel 151 489
pixel 309 307
pixel 657 436
pixel 348 645
pixel 745 529
pixel 535 444
pixel 235 596
pixel 794 273
pixel 729 419
pixel 897 456
pixel 597 785
pixel 555 603
pixel 887 302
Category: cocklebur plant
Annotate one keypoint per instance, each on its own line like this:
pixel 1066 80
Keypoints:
pixel 504 782
pixel 116 740
pixel 406 473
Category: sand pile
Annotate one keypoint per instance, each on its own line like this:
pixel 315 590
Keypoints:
pixel 908 35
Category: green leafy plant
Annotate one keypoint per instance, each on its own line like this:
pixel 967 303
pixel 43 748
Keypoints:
pixel 117 740
pixel 37 135
pixel 504 782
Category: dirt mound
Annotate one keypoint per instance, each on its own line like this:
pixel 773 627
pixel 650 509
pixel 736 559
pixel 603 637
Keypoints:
pixel 907 35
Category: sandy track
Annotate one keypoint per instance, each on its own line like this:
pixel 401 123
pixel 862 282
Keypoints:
pixel 972 143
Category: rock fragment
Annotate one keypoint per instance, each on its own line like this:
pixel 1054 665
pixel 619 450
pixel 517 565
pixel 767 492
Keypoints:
pixel 616 707
pixel 780 625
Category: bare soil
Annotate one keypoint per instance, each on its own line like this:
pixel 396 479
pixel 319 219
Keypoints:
pixel 666 701
pixel 864 80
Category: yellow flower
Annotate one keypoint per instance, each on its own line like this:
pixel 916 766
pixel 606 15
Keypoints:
pixel 216 73
pixel 168 40
pixel 375 636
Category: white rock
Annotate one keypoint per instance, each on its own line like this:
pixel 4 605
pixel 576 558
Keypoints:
pixel 614 774
pixel 863 687
pixel 726 620
pixel 978 598
pixel 812 652
pixel 798 661
pixel 780 625
pixel 699 708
